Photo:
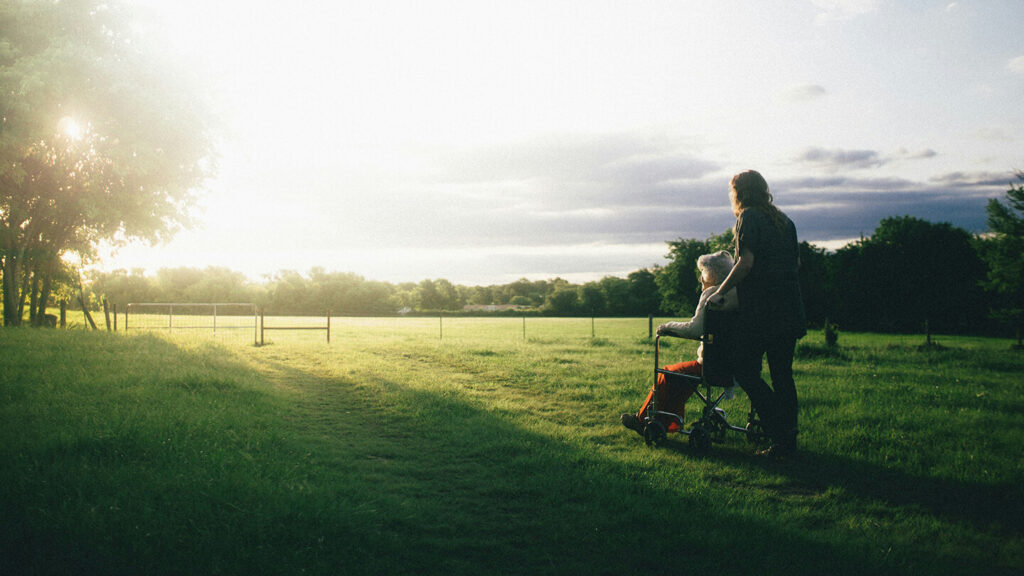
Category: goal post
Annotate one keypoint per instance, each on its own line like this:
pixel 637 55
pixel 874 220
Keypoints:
pixel 230 317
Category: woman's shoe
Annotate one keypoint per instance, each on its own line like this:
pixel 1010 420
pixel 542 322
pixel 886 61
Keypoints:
pixel 633 423
pixel 785 449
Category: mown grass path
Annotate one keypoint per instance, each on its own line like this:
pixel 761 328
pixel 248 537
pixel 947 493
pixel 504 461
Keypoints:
pixel 401 453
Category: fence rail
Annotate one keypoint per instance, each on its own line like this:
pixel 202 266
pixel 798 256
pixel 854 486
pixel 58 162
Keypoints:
pixel 214 316
pixel 233 319
pixel 264 327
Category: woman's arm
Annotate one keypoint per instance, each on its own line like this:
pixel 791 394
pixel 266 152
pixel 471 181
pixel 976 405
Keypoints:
pixel 739 271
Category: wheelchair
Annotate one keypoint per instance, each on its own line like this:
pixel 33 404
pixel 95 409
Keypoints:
pixel 712 425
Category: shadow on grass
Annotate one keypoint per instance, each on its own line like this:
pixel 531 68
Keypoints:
pixel 371 474
pixel 482 492
pixel 989 507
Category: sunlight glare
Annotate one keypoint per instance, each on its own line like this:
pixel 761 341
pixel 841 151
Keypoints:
pixel 70 128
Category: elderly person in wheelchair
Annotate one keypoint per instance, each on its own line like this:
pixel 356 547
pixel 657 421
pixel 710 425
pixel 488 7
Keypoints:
pixel 676 382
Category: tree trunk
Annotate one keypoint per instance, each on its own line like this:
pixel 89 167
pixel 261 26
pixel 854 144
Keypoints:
pixel 11 265
pixel 85 308
pixel 33 298
pixel 44 298
pixel 22 290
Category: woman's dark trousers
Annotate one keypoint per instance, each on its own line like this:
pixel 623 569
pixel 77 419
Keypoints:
pixel 776 404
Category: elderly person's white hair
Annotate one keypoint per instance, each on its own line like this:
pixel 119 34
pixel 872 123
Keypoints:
pixel 717 265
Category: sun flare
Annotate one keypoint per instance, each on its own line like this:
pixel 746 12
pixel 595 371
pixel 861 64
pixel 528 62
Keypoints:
pixel 70 128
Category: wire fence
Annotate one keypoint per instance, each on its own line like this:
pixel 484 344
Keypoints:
pixel 225 321
pixel 243 322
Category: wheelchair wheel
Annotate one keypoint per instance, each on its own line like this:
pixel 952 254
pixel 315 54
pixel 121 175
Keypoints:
pixel 717 425
pixel 655 433
pixel 700 439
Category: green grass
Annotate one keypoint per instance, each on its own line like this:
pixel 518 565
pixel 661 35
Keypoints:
pixel 405 447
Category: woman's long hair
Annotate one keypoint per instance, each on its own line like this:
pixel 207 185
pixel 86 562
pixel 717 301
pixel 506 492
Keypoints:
pixel 750 190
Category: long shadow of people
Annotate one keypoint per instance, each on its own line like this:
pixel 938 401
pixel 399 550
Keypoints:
pixel 997 507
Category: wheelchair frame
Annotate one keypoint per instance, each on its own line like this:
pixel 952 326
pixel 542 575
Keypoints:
pixel 712 425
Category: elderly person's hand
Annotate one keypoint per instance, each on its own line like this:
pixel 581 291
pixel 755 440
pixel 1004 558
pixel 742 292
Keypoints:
pixel 662 330
pixel 716 301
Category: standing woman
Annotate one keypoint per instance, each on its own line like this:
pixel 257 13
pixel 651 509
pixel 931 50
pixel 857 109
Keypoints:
pixel 765 277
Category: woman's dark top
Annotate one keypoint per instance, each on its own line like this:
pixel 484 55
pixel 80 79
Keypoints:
pixel 770 294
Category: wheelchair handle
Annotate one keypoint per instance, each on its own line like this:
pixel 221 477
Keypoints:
pixel 657 350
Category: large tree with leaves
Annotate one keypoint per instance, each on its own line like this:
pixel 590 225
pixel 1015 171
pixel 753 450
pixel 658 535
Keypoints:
pixel 679 281
pixel 911 275
pixel 100 140
pixel 1004 253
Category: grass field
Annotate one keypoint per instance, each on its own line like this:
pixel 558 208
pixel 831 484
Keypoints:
pixel 459 446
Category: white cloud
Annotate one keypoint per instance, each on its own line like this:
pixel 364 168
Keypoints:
pixel 803 93
pixel 1016 65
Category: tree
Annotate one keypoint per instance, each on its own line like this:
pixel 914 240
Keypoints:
pixel 124 287
pixel 436 295
pixel 1004 254
pixel 99 140
pixel 289 293
pixel 348 294
pixel 564 301
pixel 679 281
pixel 643 296
pixel 910 275
pixel 616 293
pixel 593 299
pixel 813 282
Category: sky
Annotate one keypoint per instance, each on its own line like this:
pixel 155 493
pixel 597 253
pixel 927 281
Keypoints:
pixel 482 142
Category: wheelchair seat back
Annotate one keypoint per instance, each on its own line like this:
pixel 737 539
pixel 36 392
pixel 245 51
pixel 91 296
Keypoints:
pixel 720 335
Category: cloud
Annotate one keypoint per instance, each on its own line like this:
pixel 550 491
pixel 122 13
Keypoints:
pixel 631 189
pixel 837 208
pixel 604 188
pixel 1016 65
pixel 837 159
pixel 578 158
pixel 919 155
pixel 971 180
pixel 993 134
pixel 838 10
pixel 802 93
pixel 554 174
